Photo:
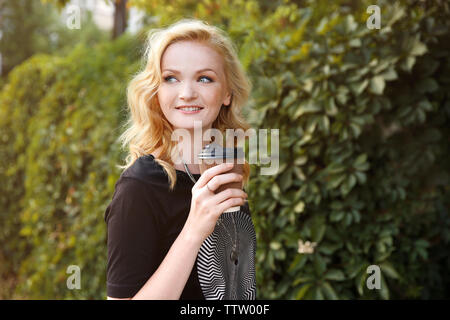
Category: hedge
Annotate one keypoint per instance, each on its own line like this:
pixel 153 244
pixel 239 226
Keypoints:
pixel 60 118
pixel 364 126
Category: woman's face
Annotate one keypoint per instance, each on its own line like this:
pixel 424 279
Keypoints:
pixel 192 75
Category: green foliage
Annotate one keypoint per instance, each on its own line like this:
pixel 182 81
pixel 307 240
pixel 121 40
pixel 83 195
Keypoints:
pixel 364 173
pixel 60 118
pixel 40 29
pixel 363 118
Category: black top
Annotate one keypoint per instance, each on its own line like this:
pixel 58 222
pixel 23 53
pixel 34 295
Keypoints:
pixel 143 220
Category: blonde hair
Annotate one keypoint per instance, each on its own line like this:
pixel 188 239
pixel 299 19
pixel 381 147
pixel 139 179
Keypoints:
pixel 147 127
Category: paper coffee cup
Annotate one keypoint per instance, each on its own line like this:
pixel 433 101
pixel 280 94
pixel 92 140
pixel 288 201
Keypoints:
pixel 214 154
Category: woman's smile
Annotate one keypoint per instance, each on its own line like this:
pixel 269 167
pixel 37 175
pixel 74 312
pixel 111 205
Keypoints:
pixel 189 109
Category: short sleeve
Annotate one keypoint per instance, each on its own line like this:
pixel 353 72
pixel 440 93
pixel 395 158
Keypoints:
pixel 133 238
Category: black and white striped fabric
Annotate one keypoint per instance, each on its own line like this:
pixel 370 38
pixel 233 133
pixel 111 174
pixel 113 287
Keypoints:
pixel 220 277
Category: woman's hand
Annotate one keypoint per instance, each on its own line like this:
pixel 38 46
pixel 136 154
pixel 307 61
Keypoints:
pixel 206 206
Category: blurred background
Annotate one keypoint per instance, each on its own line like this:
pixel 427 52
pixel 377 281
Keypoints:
pixel 364 119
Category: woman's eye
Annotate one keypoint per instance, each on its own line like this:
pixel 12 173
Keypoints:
pixel 205 77
pixel 202 77
pixel 167 78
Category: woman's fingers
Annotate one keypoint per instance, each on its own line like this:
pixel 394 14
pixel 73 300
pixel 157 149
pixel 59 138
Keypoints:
pixel 227 194
pixel 229 203
pixel 211 172
pixel 224 178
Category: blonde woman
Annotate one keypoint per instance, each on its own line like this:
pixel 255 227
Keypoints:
pixel 164 236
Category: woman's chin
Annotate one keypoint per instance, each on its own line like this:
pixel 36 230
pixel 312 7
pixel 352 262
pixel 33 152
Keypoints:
pixel 190 123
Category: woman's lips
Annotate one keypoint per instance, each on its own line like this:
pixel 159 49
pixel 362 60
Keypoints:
pixel 185 111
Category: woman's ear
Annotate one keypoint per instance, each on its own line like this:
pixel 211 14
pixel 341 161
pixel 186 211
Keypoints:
pixel 228 100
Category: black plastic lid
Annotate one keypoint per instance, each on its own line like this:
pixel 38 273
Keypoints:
pixel 216 151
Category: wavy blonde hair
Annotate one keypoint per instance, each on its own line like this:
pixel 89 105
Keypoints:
pixel 147 127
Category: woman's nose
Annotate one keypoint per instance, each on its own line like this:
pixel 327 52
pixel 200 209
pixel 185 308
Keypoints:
pixel 188 91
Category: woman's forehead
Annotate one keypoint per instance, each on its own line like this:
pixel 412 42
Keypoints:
pixel 183 55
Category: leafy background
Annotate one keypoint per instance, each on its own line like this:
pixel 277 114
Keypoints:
pixel 364 146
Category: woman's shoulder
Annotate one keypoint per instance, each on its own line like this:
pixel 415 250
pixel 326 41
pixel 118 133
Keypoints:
pixel 146 170
pixel 138 187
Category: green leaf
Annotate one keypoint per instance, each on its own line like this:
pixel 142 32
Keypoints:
pixel 350 23
pixel 335 167
pixel 362 167
pixel 322 27
pixel 289 99
pixel 384 290
pixel 301 160
pixel 286 179
pixel 318 293
pixel 308 85
pixel 356 129
pixel 337 205
pixel 428 85
pixel 351 181
pixel 299 173
pixel 275 191
pixel 325 124
pixel 425 105
pixel 336 216
pixel 359 87
pixel 303 279
pixel 318 230
pixel 335 274
pixel 348 185
pixel 418 49
pixel 360 159
pixel 299 207
pixel 389 75
pixel 319 264
pixel 330 107
pixel 329 249
pixel 298 262
pixel 274 245
pixel 308 107
pixel 389 270
pixel 302 291
pixel 335 181
pixel 354 269
pixel 361 176
pixel 408 64
pixel 329 291
pixel 397 13
pixel 377 85
pixel 360 282
pixel 280 254
pixel 356 43
pixel 422 243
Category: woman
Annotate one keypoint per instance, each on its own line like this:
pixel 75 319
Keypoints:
pixel 169 236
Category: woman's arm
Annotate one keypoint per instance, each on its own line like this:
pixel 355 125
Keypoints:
pixel 169 280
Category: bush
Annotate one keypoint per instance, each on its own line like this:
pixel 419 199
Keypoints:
pixel 363 118
pixel 60 117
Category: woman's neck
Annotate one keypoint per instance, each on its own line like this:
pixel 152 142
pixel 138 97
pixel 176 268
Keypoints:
pixel 188 152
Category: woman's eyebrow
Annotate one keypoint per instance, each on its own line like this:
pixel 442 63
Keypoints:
pixel 198 71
